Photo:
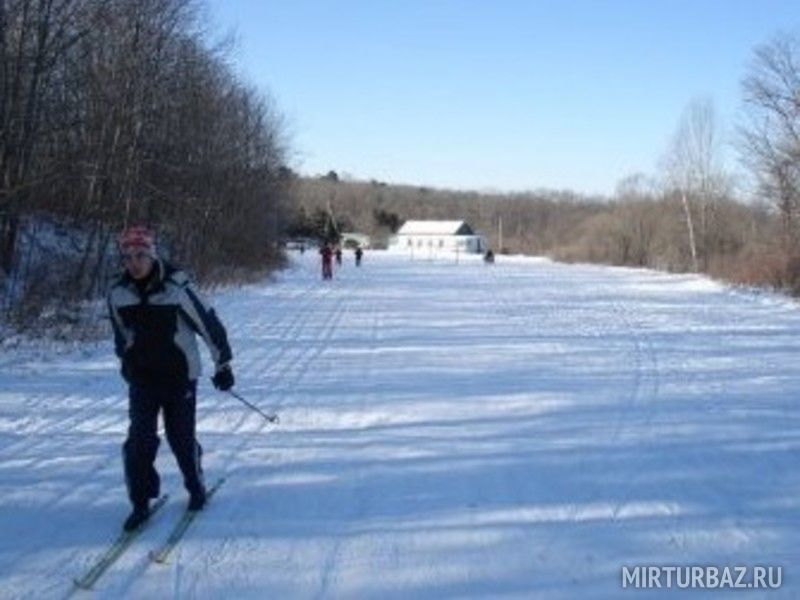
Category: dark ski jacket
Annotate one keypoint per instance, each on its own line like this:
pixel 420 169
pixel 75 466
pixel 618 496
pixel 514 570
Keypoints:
pixel 155 322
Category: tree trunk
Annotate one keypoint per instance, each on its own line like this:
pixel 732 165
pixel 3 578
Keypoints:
pixel 9 243
pixel 690 226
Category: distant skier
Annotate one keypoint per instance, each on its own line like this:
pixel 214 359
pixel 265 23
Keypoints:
pixel 338 256
pixel 359 255
pixel 327 262
pixel 155 314
pixel 489 257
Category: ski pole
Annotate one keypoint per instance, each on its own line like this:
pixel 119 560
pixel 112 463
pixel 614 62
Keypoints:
pixel 269 418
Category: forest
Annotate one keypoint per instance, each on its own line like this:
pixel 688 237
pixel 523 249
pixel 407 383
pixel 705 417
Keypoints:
pixel 116 112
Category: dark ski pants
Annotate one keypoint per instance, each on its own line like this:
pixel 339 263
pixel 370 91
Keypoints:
pixel 177 401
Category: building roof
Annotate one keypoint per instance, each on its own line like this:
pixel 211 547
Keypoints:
pixel 435 228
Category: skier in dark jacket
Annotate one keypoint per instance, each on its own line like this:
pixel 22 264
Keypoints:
pixel 156 314
pixel 359 254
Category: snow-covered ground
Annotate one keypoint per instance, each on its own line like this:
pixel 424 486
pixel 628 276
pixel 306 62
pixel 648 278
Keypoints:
pixel 516 430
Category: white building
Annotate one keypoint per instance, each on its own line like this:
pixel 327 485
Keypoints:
pixel 433 237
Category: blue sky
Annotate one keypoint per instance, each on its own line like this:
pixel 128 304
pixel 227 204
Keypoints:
pixel 495 94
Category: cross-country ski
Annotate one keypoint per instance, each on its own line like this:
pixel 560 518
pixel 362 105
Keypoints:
pixel 161 554
pixel 114 551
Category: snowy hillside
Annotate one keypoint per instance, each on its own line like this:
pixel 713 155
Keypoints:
pixel 517 430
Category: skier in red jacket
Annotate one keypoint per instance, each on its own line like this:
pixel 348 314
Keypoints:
pixel 327 262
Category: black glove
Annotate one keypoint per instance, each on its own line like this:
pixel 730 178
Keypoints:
pixel 223 378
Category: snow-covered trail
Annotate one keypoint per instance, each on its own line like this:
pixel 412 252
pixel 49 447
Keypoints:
pixel 518 430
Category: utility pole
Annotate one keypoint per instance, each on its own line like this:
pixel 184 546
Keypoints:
pixel 500 234
pixel 332 219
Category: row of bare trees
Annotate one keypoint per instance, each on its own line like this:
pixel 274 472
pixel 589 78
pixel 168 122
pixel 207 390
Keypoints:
pixel 645 224
pixel 119 111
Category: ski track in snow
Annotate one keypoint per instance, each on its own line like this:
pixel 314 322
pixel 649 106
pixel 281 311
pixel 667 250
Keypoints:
pixel 520 430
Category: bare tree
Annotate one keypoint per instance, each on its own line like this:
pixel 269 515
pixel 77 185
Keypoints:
pixel 35 36
pixel 635 219
pixel 694 174
pixel 770 140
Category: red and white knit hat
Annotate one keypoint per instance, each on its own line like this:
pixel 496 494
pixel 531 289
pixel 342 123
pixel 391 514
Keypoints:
pixel 137 238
